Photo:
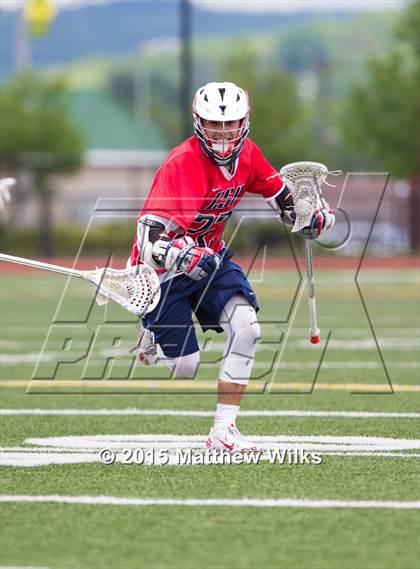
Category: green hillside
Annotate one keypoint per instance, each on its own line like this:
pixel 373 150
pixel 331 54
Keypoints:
pixel 123 27
pixel 339 45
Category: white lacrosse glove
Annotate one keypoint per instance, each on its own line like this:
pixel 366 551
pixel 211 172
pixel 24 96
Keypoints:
pixel 5 185
pixel 183 254
pixel 322 220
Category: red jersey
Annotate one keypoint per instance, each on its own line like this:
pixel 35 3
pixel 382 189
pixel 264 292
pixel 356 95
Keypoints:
pixel 199 196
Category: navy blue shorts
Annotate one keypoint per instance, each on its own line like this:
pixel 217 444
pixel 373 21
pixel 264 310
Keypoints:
pixel 171 321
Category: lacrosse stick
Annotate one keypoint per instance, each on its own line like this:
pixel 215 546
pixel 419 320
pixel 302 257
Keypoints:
pixel 136 289
pixel 5 185
pixel 304 180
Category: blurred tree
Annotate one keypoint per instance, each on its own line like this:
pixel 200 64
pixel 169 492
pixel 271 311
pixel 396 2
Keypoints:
pixel 305 50
pixel 162 100
pixel 122 86
pixel 277 113
pixel 382 116
pixel 37 134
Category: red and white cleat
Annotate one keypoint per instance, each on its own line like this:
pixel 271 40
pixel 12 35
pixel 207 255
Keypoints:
pixel 147 348
pixel 227 437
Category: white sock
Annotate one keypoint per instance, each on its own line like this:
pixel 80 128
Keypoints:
pixel 226 413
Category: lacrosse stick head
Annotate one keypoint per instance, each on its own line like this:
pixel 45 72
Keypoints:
pixel 136 289
pixel 305 180
pixel 5 185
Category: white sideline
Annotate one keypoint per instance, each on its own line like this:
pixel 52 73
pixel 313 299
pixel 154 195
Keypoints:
pixel 187 413
pixel 241 502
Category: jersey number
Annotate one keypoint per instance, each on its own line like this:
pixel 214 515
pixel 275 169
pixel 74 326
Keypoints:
pixel 206 222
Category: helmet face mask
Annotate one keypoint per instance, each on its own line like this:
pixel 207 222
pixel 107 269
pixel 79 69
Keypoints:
pixel 221 121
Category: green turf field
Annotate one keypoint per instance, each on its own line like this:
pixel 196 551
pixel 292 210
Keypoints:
pixel 358 508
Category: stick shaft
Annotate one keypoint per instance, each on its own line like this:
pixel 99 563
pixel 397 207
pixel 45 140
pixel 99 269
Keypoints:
pixel 40 265
pixel 314 331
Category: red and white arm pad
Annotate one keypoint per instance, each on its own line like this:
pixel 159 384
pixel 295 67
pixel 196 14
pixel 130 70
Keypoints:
pixel 151 230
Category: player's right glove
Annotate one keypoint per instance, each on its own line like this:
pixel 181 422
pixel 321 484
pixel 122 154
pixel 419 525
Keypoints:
pixel 184 255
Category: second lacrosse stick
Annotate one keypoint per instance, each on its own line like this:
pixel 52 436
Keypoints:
pixel 136 289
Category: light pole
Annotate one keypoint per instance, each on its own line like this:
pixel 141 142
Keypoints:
pixel 23 52
pixel 186 67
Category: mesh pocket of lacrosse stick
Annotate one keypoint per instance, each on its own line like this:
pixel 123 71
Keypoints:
pixel 137 289
pixel 303 210
pixel 305 180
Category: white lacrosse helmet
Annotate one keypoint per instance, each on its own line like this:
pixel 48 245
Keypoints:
pixel 221 103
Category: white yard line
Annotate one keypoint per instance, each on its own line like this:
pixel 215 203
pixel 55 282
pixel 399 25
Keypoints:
pixel 124 448
pixel 321 442
pixel 187 413
pixel 29 358
pixel 27 340
pixel 391 344
pixel 241 502
pixel 367 453
pixel 17 453
pixel 31 460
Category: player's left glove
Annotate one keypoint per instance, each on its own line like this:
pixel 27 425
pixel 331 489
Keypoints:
pixel 183 254
pixel 322 220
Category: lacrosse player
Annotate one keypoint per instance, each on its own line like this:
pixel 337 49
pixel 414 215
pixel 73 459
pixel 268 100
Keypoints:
pixel 180 235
